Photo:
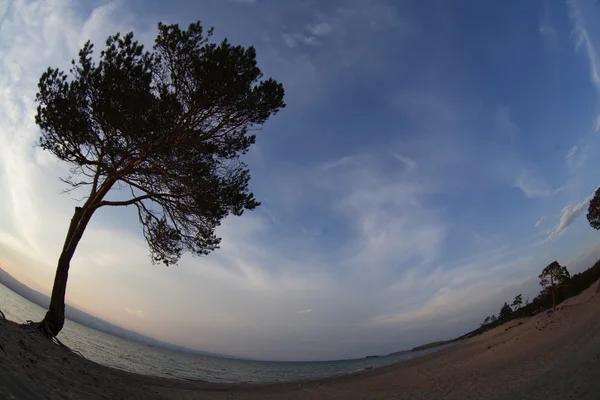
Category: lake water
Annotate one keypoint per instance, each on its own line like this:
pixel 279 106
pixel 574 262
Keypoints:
pixel 136 357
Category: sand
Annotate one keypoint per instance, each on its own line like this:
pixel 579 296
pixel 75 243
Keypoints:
pixel 554 356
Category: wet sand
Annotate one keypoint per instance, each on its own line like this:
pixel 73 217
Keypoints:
pixel 554 356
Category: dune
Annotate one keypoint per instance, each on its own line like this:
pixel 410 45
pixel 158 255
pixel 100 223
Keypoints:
pixel 555 356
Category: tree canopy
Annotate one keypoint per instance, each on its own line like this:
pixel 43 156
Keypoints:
pixel 593 214
pixel 553 276
pixel 168 126
pixel 516 304
pixel 505 312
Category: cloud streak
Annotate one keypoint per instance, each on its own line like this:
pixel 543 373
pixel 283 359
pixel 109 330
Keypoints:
pixel 583 40
pixel 531 185
pixel 568 217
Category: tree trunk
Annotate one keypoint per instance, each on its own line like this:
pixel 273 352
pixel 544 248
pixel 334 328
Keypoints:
pixel 553 291
pixel 54 320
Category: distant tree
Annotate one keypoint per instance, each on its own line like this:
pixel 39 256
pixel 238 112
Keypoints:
pixel 593 217
pixel 516 304
pixel 166 127
pixel 552 277
pixel 527 302
pixel 493 318
pixel 505 312
pixel 485 321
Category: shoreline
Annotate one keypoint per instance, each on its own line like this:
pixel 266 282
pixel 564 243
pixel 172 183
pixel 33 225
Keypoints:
pixel 541 357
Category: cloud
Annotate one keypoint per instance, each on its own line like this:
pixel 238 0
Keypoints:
pixel 540 222
pixel 569 215
pixel 136 312
pixel 319 29
pixel 583 40
pixel 505 124
pixel 340 162
pixel 571 152
pixel 408 162
pixel 386 212
pixel 304 311
pixel 531 185
pixel 548 31
pixel 546 28
pixel 577 156
pixel 293 39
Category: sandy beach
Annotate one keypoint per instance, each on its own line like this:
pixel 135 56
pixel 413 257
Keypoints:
pixel 554 356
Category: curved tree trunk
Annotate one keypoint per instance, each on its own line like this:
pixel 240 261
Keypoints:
pixel 54 320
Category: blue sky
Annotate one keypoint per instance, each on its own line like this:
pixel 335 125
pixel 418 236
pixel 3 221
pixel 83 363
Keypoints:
pixel 433 157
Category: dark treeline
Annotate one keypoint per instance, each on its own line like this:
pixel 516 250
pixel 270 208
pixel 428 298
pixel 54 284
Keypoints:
pixel 557 286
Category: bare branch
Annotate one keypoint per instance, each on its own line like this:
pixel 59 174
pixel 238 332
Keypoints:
pixel 124 202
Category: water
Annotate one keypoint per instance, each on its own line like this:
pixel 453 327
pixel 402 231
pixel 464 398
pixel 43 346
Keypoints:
pixel 136 357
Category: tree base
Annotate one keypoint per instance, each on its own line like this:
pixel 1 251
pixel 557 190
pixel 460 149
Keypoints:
pixel 46 327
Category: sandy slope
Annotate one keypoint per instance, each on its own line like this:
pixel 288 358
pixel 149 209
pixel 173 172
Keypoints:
pixel 543 357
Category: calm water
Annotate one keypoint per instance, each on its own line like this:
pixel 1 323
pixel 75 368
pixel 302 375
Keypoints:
pixel 135 357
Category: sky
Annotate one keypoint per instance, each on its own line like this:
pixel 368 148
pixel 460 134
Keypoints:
pixel 433 157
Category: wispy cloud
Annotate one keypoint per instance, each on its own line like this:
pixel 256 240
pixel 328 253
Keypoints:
pixel 319 29
pixel 569 215
pixel 292 40
pixel 577 156
pixel 135 311
pixel 540 222
pixel 572 152
pixel 505 123
pixel 307 311
pixel 408 162
pixel 532 185
pixel 547 29
pixel 583 40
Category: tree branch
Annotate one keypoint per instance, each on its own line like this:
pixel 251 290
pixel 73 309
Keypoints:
pixel 124 202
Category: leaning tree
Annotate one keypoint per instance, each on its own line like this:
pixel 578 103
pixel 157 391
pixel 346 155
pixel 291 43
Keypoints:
pixel 167 127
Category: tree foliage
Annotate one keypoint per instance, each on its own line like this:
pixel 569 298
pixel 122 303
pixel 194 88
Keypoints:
pixel 505 312
pixel 593 217
pixel 517 302
pixel 553 276
pixel 167 126
pixel 593 214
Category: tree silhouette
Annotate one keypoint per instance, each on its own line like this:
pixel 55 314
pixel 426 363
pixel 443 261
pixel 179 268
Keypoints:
pixel 593 214
pixel 553 276
pixel 167 127
pixel 517 302
pixel 593 217
pixel 505 312
pixel 493 318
